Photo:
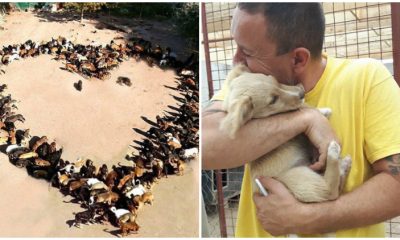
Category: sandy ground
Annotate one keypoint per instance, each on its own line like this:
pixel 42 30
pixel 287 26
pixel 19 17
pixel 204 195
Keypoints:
pixel 95 123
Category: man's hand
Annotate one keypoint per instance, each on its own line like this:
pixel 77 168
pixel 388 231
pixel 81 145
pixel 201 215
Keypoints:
pixel 279 213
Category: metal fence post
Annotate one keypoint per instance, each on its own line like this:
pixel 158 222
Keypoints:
pixel 395 8
pixel 221 208
pixel 220 193
pixel 206 50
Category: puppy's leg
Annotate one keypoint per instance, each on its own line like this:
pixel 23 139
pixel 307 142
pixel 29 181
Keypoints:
pixel 325 111
pixel 305 184
pixel 124 218
pixel 332 172
pixel 345 165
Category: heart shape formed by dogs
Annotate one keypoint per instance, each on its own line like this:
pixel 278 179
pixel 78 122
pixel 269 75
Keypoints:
pixel 45 162
pixel 97 121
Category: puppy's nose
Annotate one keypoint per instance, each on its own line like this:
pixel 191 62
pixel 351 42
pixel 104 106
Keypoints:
pixel 301 95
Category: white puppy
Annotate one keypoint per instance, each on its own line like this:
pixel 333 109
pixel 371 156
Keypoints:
pixel 257 96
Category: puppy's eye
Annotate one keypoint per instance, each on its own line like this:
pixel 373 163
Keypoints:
pixel 274 99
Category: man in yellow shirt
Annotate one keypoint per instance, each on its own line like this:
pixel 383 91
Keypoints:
pixel 285 40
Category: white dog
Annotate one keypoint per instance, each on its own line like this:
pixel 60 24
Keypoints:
pixel 258 96
pixel 137 190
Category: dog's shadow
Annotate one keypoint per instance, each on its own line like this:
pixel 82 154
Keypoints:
pixel 115 232
pixel 73 200
pixel 173 114
pixel 174 108
pixel 173 88
pixel 3 148
pixel 112 232
pixel 149 121
pixel 179 99
pixel 138 143
pixel 142 132
pixel 70 223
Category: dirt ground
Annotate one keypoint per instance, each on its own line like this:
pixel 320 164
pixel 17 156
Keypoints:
pixel 96 123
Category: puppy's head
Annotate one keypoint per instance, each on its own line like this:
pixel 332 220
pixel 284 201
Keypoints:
pixel 135 226
pixel 254 95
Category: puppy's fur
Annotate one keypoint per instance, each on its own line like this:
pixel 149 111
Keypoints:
pixel 257 96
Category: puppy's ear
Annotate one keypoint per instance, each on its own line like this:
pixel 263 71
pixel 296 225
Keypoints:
pixel 239 113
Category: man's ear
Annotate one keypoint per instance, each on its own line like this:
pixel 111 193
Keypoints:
pixel 239 113
pixel 301 57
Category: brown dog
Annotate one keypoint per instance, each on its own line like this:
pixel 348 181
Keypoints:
pixel 139 171
pixel 39 142
pixel 128 227
pixel 107 197
pixel 181 167
pixel 147 197
pixel 41 162
pixel 158 166
pixel 129 217
pixel 73 185
pixel 13 139
pixel 110 179
pixel 125 179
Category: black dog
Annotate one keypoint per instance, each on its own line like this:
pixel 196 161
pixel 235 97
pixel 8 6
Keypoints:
pixel 78 85
pixel 124 80
pixel 85 217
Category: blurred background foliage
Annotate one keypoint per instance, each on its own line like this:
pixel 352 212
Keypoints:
pixel 183 16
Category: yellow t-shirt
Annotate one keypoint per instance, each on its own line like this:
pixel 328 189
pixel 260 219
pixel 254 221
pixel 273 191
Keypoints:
pixel 365 103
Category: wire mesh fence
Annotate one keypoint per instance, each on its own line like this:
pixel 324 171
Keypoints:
pixel 353 30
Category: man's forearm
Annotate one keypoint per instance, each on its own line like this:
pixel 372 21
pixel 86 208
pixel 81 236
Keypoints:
pixel 375 201
pixel 219 151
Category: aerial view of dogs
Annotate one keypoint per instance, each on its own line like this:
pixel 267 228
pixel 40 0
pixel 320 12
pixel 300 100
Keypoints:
pixel 261 97
pixel 105 192
pixel 93 61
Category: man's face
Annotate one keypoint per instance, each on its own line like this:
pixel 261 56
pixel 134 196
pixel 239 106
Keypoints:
pixel 256 50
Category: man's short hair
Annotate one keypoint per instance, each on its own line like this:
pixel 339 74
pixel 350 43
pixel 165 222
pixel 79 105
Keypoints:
pixel 292 25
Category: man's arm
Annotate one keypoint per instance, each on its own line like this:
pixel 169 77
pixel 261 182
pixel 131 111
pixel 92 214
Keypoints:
pixel 375 201
pixel 259 136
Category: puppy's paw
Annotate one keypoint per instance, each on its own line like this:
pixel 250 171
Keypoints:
pixel 327 112
pixel 334 151
pixel 345 165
